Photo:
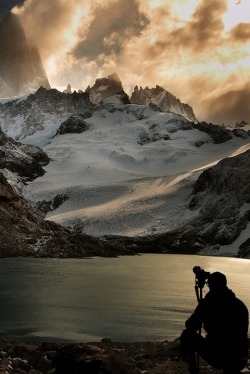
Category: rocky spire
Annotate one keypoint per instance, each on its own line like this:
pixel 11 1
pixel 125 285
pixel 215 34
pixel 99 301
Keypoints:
pixel 164 99
pixel 21 69
pixel 105 87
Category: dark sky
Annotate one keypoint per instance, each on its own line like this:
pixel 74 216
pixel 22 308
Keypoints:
pixel 7 5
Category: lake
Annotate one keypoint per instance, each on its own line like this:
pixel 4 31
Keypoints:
pixel 131 298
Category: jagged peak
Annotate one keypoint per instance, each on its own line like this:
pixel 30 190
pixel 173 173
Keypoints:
pixel 105 87
pixel 164 99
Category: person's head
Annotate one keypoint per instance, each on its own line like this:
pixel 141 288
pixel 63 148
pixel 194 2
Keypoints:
pixel 217 281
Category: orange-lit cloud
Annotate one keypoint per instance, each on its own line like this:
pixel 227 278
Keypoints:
pixel 198 50
pixel 47 22
pixel 111 27
pixel 198 34
pixel 241 32
pixel 229 107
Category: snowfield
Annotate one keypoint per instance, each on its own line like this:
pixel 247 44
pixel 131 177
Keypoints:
pixel 116 185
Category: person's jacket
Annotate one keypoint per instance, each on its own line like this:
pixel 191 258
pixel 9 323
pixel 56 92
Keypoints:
pixel 225 319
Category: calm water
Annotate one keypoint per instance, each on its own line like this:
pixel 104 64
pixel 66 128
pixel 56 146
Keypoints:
pixel 126 299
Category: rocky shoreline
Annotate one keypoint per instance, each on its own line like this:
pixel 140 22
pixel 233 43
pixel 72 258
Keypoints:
pixel 104 357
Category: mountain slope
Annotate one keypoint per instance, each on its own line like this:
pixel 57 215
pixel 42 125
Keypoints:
pixel 40 113
pixel 131 171
pixel 24 232
pixel 21 69
pixel 221 197
pixel 120 169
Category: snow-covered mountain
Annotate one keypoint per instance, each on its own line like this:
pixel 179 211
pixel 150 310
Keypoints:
pixel 125 170
pixel 221 198
pixel 40 113
pixel 106 87
pixel 164 99
pixel 23 230
pixel 130 171
pixel 21 68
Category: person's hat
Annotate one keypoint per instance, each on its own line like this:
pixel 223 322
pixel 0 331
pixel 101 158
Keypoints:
pixel 217 280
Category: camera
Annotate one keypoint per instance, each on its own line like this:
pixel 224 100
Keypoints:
pixel 201 276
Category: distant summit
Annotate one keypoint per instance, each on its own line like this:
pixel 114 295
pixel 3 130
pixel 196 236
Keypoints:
pixel 164 99
pixel 110 86
pixel 68 90
pixel 104 87
pixel 21 69
pixel 25 116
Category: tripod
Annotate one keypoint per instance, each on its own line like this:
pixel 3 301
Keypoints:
pixel 200 281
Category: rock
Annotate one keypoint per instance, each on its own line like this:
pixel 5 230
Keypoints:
pixel 3 354
pixel 36 153
pixel 74 124
pixel 218 133
pixel 222 195
pixel 118 357
pixel 26 116
pixel 48 206
pixel 68 89
pixel 25 160
pixel 24 231
pixel 18 363
pixel 240 133
pixel 163 99
pixel 4 361
pixel 21 69
pixel 43 364
pixel 104 87
pixel 146 138
pixel 78 359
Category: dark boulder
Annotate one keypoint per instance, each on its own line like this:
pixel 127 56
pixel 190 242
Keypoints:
pixel 23 159
pixel 82 358
pixel 74 124
pixel 218 133
pixel 240 133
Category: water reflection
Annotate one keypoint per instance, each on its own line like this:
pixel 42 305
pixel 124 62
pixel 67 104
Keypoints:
pixel 129 298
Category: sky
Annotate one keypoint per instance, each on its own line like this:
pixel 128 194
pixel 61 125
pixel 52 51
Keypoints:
pixel 198 50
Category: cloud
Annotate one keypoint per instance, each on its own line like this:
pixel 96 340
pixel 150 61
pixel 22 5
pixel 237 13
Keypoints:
pixel 241 32
pixel 201 59
pixel 205 27
pixel 229 107
pixel 203 30
pixel 45 23
pixel 112 26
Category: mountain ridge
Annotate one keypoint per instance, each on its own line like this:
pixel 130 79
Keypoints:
pixel 22 117
pixel 119 169
pixel 112 85
pixel 164 99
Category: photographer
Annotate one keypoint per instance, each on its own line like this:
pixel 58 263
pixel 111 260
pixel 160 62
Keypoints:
pixel 225 320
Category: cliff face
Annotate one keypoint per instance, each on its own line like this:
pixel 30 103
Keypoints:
pixel 21 69
pixel 105 87
pixel 164 99
pixel 221 194
pixel 24 117
pixel 24 232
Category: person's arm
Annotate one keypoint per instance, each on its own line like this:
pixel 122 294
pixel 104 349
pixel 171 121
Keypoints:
pixel 194 322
